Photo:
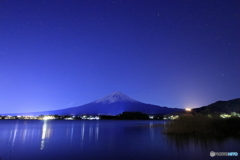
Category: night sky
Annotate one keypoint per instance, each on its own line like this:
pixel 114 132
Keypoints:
pixel 56 54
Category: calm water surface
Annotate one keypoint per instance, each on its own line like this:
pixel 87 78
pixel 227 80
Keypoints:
pixel 104 139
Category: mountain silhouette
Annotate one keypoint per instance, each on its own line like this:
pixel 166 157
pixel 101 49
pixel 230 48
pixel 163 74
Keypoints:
pixel 113 104
pixel 220 107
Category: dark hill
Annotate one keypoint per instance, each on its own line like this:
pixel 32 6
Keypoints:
pixel 220 107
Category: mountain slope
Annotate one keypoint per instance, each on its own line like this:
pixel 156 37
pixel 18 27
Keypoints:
pixel 112 104
pixel 221 107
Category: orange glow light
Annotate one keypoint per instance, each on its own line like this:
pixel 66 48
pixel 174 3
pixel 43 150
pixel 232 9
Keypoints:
pixel 188 109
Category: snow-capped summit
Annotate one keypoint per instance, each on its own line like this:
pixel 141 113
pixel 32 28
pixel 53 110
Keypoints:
pixel 115 97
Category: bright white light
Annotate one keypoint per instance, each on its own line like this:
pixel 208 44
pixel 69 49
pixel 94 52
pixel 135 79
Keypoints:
pixel 69 118
pixel 48 117
pixel 188 109
pixel 151 117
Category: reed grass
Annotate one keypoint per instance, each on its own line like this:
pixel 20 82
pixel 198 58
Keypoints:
pixel 201 125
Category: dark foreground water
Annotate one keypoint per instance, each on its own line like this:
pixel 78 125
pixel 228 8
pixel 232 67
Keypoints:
pixel 106 140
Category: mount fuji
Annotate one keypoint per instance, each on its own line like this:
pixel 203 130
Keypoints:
pixel 113 104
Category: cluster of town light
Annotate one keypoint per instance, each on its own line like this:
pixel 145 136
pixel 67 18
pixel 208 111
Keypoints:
pixel 233 114
pixel 49 117
pixel 90 117
pixel 87 117
pixel 172 117
pixel 18 117
pixel 72 117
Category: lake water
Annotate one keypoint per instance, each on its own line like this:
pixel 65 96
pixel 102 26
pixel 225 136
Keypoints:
pixel 103 139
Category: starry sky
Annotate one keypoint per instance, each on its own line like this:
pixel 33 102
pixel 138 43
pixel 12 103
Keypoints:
pixel 56 54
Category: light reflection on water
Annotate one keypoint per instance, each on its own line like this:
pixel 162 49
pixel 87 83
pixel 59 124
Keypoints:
pixel 102 140
pixel 44 131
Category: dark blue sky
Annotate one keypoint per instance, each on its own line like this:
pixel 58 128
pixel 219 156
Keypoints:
pixel 56 54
